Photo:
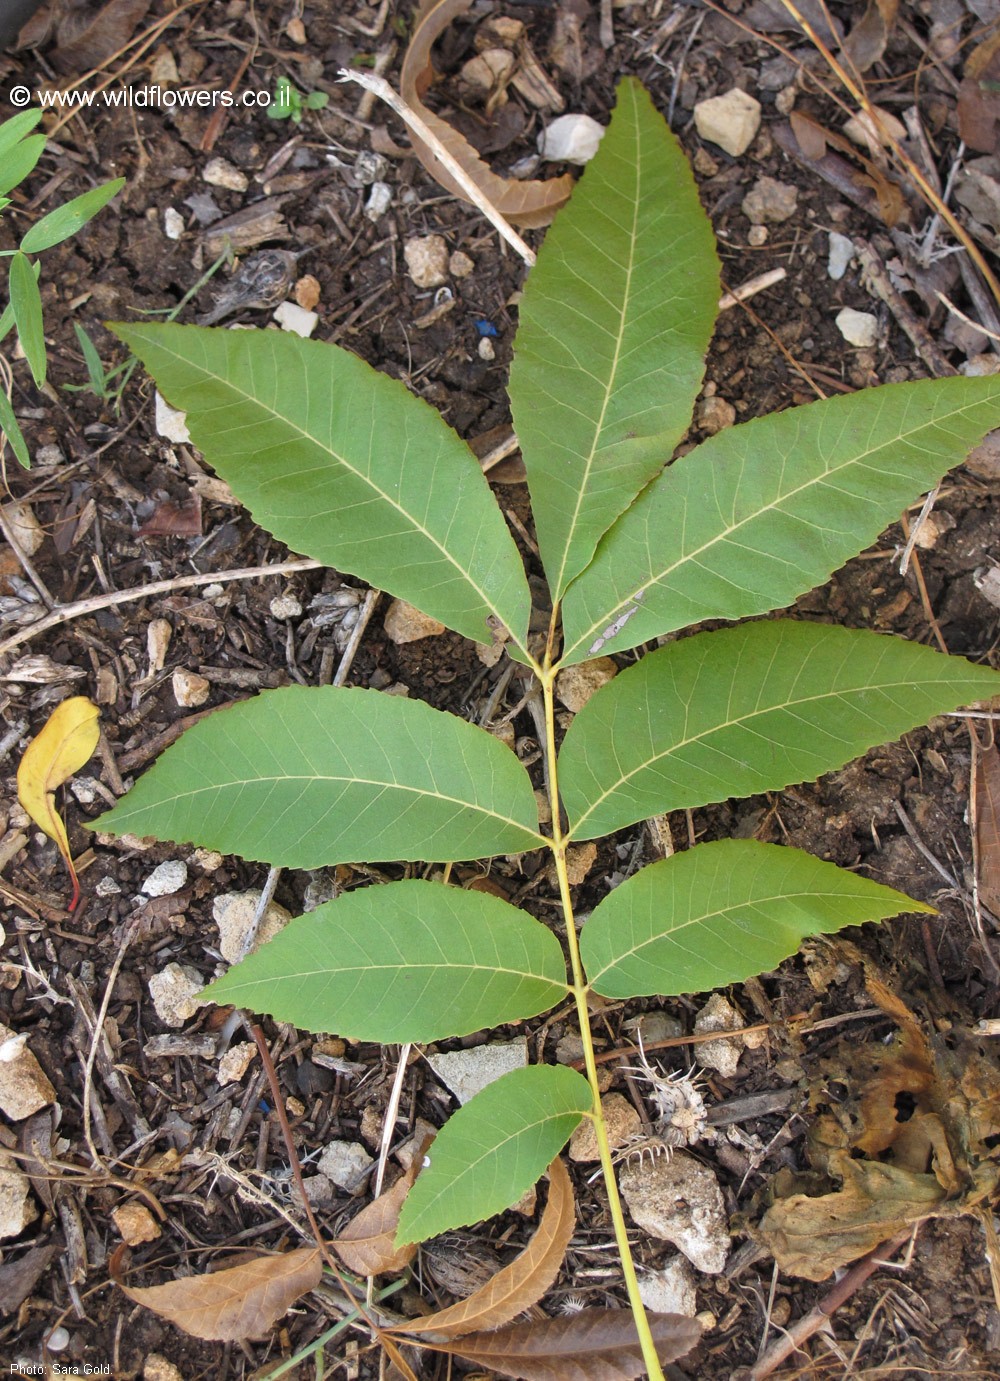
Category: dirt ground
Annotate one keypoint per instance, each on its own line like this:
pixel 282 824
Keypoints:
pixel 121 507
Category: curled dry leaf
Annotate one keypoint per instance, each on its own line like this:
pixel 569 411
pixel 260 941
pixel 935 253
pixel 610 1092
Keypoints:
pixel 238 1302
pixel 367 1245
pixel 593 1345
pixel 64 745
pixel 987 795
pixel 521 1284
pixel 526 204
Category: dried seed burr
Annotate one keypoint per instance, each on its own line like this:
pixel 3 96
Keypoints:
pixel 263 280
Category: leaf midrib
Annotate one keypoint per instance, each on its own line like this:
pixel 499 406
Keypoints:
pixel 742 720
pixel 693 556
pixel 451 966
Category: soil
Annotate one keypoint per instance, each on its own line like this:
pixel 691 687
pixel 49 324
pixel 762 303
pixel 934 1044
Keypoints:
pixel 102 472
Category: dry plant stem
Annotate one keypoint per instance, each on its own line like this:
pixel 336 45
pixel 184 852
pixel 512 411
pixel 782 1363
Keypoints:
pixel 64 613
pixel 384 91
pixel 546 674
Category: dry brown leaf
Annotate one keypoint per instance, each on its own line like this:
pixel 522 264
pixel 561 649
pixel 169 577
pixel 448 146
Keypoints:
pixel 594 1345
pixel 865 44
pixel 527 204
pixel 239 1302
pixel 988 826
pixel 86 40
pixel 169 519
pixel 521 1284
pixel 810 135
pixel 367 1245
pixel 815 140
pixel 979 97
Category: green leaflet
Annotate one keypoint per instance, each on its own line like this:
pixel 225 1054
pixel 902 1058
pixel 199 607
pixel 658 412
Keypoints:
pixel 67 219
pixel 494 1149
pixel 19 157
pixel 720 913
pixel 748 709
pixel 308 776
pixel 762 512
pixel 614 324
pixel 26 304
pixel 345 465
pixel 408 961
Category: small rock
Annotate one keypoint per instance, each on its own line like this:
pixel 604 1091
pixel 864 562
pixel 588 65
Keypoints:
pixel 730 120
pixel 622 1121
pixel 930 531
pixel 379 201
pixel 715 414
pixel 236 1061
pixel 291 317
pixel 24 1085
pixel 579 861
pixel 166 879
pixel 858 328
pixel 840 254
pixel 307 292
pixel 670 1290
pixel 988 585
pixel 570 139
pixel 286 607
pixel 460 265
pixel 757 236
pixel 769 202
pixel 718 1014
pixel 158 636
pixel 569 1049
pixel 319 1190
pixel 423 1133
pixel 656 1026
pixel 405 624
pixel 427 260
pixel 17 1209
pixel 208 859
pixel 173 991
pixel 984 461
pixel 173 223
pixel 169 423
pixel 544 807
pixel 485 350
pixel 577 684
pixel 488 72
pixel 233 913
pixel 218 172
pixel 190 690
pixel 872 135
pixel 157 1368
pixel 28 531
pixel 345 1163
pixel 678 1200
pixel 467 1072
pixel 135 1224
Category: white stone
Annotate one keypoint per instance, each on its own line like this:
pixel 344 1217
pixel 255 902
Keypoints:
pixel 577 684
pixel 236 1061
pixel 173 223
pixel 345 1163
pixel 677 1199
pixel 286 607
pixel 173 991
pixel 28 531
pixel 405 624
pixel 460 265
pixel 291 317
pixel 670 1290
pixel 190 689
pixel 221 173
pixel 840 254
pixel 158 636
pixel 208 859
pixel 769 202
pixel 426 260
pixel 233 913
pixel 379 201
pixel 17 1208
pixel 571 139
pixel 485 350
pixel 135 1224
pixel 467 1072
pixel 719 1014
pixel 24 1085
pixel 169 423
pixel 731 121
pixel 166 879
pixel 858 328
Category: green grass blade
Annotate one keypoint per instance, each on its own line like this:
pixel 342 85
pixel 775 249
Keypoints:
pixel 67 219
pixel 12 431
pixel 408 961
pixel 17 162
pixel 308 776
pixel 764 511
pixel 26 302
pixel 494 1149
pixel 615 321
pixel 720 913
pixel 345 465
pixel 748 709
pixel 12 131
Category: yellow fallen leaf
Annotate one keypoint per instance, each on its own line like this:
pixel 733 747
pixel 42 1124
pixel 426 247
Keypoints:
pixel 64 745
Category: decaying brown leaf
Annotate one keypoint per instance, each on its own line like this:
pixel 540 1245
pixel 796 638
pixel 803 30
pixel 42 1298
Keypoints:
pixel 86 38
pixel 987 790
pixel 979 97
pixel 521 1284
pixel 865 44
pixel 815 141
pixel 594 1345
pixel 239 1302
pixel 527 204
pixel 924 1115
pixel 367 1245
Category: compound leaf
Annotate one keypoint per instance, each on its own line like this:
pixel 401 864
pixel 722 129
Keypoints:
pixel 719 913
pixel 748 709
pixel 408 961
pixel 615 321
pixel 345 465
pixel 494 1149
pixel 762 512
pixel 304 777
